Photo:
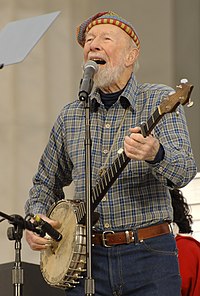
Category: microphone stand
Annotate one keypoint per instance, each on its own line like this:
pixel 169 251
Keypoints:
pixel 16 233
pixel 89 281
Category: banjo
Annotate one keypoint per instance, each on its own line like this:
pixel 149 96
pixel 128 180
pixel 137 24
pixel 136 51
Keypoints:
pixel 63 263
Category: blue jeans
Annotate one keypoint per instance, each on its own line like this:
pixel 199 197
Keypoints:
pixel 149 268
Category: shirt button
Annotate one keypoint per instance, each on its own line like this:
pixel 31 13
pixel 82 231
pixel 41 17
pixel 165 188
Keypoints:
pixel 105 151
pixel 106 225
pixel 107 125
pixel 104 198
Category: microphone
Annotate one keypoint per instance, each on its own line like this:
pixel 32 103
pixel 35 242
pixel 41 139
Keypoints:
pixel 90 68
pixel 47 228
pixel 39 226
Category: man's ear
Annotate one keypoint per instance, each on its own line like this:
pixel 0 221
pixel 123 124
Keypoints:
pixel 132 56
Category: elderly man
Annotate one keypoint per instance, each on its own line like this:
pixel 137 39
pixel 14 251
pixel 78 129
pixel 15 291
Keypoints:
pixel 134 251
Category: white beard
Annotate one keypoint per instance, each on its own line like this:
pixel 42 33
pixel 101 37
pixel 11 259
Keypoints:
pixel 106 77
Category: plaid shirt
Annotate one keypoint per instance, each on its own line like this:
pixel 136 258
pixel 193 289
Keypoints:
pixel 140 195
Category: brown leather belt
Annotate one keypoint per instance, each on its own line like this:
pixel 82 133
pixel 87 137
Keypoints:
pixel 111 238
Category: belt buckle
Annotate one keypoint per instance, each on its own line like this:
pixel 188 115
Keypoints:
pixel 104 238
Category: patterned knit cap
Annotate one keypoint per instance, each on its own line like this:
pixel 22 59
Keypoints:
pixel 107 17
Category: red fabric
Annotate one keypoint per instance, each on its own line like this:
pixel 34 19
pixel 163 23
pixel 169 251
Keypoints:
pixel 189 261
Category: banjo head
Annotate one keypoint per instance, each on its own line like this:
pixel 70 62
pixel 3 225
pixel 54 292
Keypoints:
pixel 60 262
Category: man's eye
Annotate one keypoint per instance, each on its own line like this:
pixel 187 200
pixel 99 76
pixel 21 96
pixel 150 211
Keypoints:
pixel 88 40
pixel 107 38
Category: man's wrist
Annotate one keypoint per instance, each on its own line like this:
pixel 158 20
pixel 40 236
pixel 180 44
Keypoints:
pixel 159 156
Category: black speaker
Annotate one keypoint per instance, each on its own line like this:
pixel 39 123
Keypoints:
pixel 33 285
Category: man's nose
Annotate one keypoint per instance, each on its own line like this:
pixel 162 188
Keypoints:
pixel 95 45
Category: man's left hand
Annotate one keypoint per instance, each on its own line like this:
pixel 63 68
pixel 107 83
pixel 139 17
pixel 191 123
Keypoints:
pixel 140 148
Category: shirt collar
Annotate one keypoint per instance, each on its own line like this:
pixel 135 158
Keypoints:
pixel 130 92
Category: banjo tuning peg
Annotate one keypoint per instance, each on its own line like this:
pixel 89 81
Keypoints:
pixel 190 103
pixel 184 80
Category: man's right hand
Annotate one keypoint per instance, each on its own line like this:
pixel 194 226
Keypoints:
pixel 36 242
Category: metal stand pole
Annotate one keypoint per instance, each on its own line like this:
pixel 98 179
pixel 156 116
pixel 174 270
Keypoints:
pixel 89 282
pixel 85 89
pixel 15 233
